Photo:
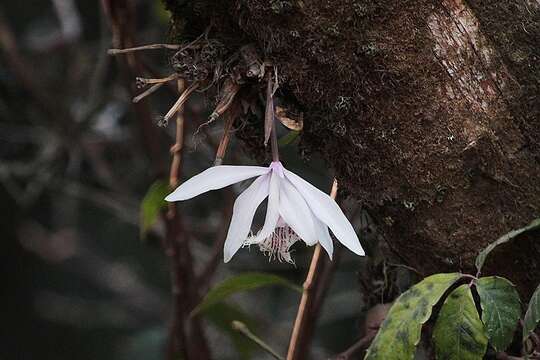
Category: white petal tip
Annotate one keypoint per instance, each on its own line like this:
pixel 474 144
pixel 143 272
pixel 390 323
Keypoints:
pixel 355 247
pixel 227 254
pixel 172 197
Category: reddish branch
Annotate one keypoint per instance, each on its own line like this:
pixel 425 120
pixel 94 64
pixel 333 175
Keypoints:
pixel 177 338
pixel 121 16
pixel 307 312
pixel 186 337
pixel 186 333
pixel 325 278
pixel 176 149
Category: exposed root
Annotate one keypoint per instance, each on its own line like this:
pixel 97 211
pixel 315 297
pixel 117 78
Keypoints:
pixel 178 104
pixel 224 143
pixel 199 61
pixel 157 83
pixel 141 82
pixel 228 93
pixel 207 63
pixel 147 92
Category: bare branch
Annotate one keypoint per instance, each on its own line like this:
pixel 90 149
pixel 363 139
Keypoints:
pixel 301 332
pixel 143 47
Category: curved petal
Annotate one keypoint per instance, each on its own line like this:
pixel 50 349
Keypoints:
pixel 328 211
pixel 324 237
pixel 272 210
pixel 244 210
pixel 216 177
pixel 295 211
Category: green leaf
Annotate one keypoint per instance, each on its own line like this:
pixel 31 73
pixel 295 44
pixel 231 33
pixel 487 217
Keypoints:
pixel 400 332
pixel 161 13
pixel 221 315
pixel 459 333
pixel 152 203
pixel 289 138
pixel 481 258
pixel 532 316
pixel 501 309
pixel 243 282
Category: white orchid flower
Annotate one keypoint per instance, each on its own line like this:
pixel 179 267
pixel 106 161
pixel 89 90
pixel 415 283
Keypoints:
pixel 296 210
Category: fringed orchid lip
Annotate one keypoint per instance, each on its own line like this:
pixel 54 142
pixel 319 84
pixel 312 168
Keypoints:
pixel 277 245
pixel 296 210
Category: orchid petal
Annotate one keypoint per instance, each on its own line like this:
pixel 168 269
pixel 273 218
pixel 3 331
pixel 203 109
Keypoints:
pixel 328 211
pixel 244 210
pixel 216 177
pixel 272 210
pixel 296 213
pixel 324 237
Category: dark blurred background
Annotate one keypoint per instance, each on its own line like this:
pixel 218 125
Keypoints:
pixel 78 279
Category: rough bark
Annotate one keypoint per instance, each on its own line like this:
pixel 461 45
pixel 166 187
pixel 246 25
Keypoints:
pixel 428 112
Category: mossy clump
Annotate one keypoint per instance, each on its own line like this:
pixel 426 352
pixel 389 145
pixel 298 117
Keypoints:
pixel 448 169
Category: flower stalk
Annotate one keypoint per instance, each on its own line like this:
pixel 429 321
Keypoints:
pixel 274 143
pixel 270 119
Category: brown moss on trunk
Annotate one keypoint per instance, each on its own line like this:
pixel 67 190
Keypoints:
pixel 426 110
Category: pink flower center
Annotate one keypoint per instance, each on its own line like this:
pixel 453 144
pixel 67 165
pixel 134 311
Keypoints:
pixel 277 167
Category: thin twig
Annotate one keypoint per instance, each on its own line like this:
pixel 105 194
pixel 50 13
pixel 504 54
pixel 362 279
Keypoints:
pixel 120 207
pixel 244 330
pixel 325 279
pixel 299 335
pixel 328 269
pixel 410 268
pixel 144 47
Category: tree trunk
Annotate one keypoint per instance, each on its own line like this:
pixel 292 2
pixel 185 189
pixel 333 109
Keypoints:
pixel 427 110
